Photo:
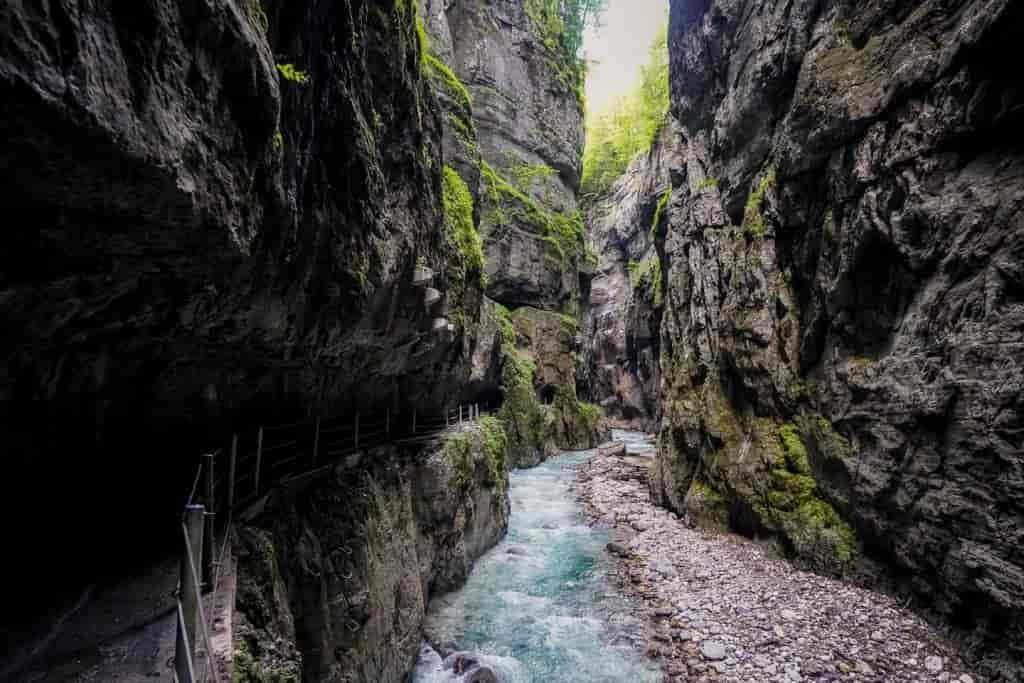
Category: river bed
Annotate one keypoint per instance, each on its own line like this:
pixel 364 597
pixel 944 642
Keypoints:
pixel 538 607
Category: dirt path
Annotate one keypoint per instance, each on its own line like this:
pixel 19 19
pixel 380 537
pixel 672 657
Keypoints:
pixel 126 631
pixel 722 609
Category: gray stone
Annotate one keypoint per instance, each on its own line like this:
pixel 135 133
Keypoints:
pixel 712 650
pixel 616 548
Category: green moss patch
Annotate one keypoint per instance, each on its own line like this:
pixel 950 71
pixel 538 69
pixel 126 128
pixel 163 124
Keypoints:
pixel 506 204
pixel 659 210
pixel 754 224
pixel 458 212
pixel 792 504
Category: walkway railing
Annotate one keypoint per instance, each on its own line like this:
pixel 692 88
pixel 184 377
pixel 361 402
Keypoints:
pixel 258 461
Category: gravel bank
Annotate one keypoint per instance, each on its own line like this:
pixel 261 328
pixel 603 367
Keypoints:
pixel 721 608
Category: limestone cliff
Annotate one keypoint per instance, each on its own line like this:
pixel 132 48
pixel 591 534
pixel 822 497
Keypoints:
pixel 214 213
pixel 624 310
pixel 335 575
pixel 516 137
pixel 844 269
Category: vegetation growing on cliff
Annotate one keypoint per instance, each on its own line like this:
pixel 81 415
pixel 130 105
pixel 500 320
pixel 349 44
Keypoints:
pixel 458 215
pixel 559 25
pixel 507 204
pixel 491 441
pixel 791 502
pixel 646 276
pixel 659 210
pixel 615 137
pixel 753 219
pixel 290 73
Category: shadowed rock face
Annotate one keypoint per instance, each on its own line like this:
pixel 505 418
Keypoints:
pixel 844 312
pixel 519 150
pixel 193 241
pixel 529 129
pixel 335 578
pixel 625 305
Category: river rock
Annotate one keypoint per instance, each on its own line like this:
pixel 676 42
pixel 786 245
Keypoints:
pixel 616 548
pixel 612 448
pixel 712 650
pixel 481 674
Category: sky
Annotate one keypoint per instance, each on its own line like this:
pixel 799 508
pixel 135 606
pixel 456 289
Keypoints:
pixel 617 50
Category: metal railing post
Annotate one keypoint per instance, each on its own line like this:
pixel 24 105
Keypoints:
pixel 357 430
pixel 183 672
pixel 188 597
pixel 414 422
pixel 208 524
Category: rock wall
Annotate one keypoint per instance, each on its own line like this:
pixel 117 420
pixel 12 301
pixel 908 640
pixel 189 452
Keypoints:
pixel 215 218
pixel 335 577
pixel 844 279
pixel 623 321
pixel 517 136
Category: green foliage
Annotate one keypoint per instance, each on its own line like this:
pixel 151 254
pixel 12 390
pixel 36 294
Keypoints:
pixel 259 15
pixel 646 276
pixel 706 183
pixel 508 328
pixel 659 211
pixel 277 142
pixel 421 38
pixel 458 215
pixel 564 232
pixel 450 82
pixel 753 220
pixel 521 412
pixel 579 421
pixel 791 502
pixel 290 73
pixel 630 126
pixel 559 26
pixel 793 449
pixel 526 175
pixel 495 450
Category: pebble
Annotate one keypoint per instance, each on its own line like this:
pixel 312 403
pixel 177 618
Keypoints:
pixel 722 608
pixel 712 650
pixel 616 548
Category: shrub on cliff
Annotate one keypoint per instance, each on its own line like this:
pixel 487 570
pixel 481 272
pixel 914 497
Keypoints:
pixel 629 127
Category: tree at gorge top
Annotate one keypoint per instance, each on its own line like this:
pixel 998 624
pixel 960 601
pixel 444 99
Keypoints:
pixel 561 24
pixel 629 127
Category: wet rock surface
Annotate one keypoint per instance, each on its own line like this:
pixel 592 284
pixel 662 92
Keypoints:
pixel 623 315
pixel 719 607
pixel 843 316
pixel 335 578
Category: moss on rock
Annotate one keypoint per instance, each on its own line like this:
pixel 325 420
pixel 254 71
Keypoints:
pixel 792 504
pixel 264 634
pixel 458 211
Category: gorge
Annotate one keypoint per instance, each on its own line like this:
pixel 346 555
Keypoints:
pixel 807 281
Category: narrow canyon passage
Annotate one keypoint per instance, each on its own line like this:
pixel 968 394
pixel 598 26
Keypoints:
pixel 538 606
pixel 283 248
